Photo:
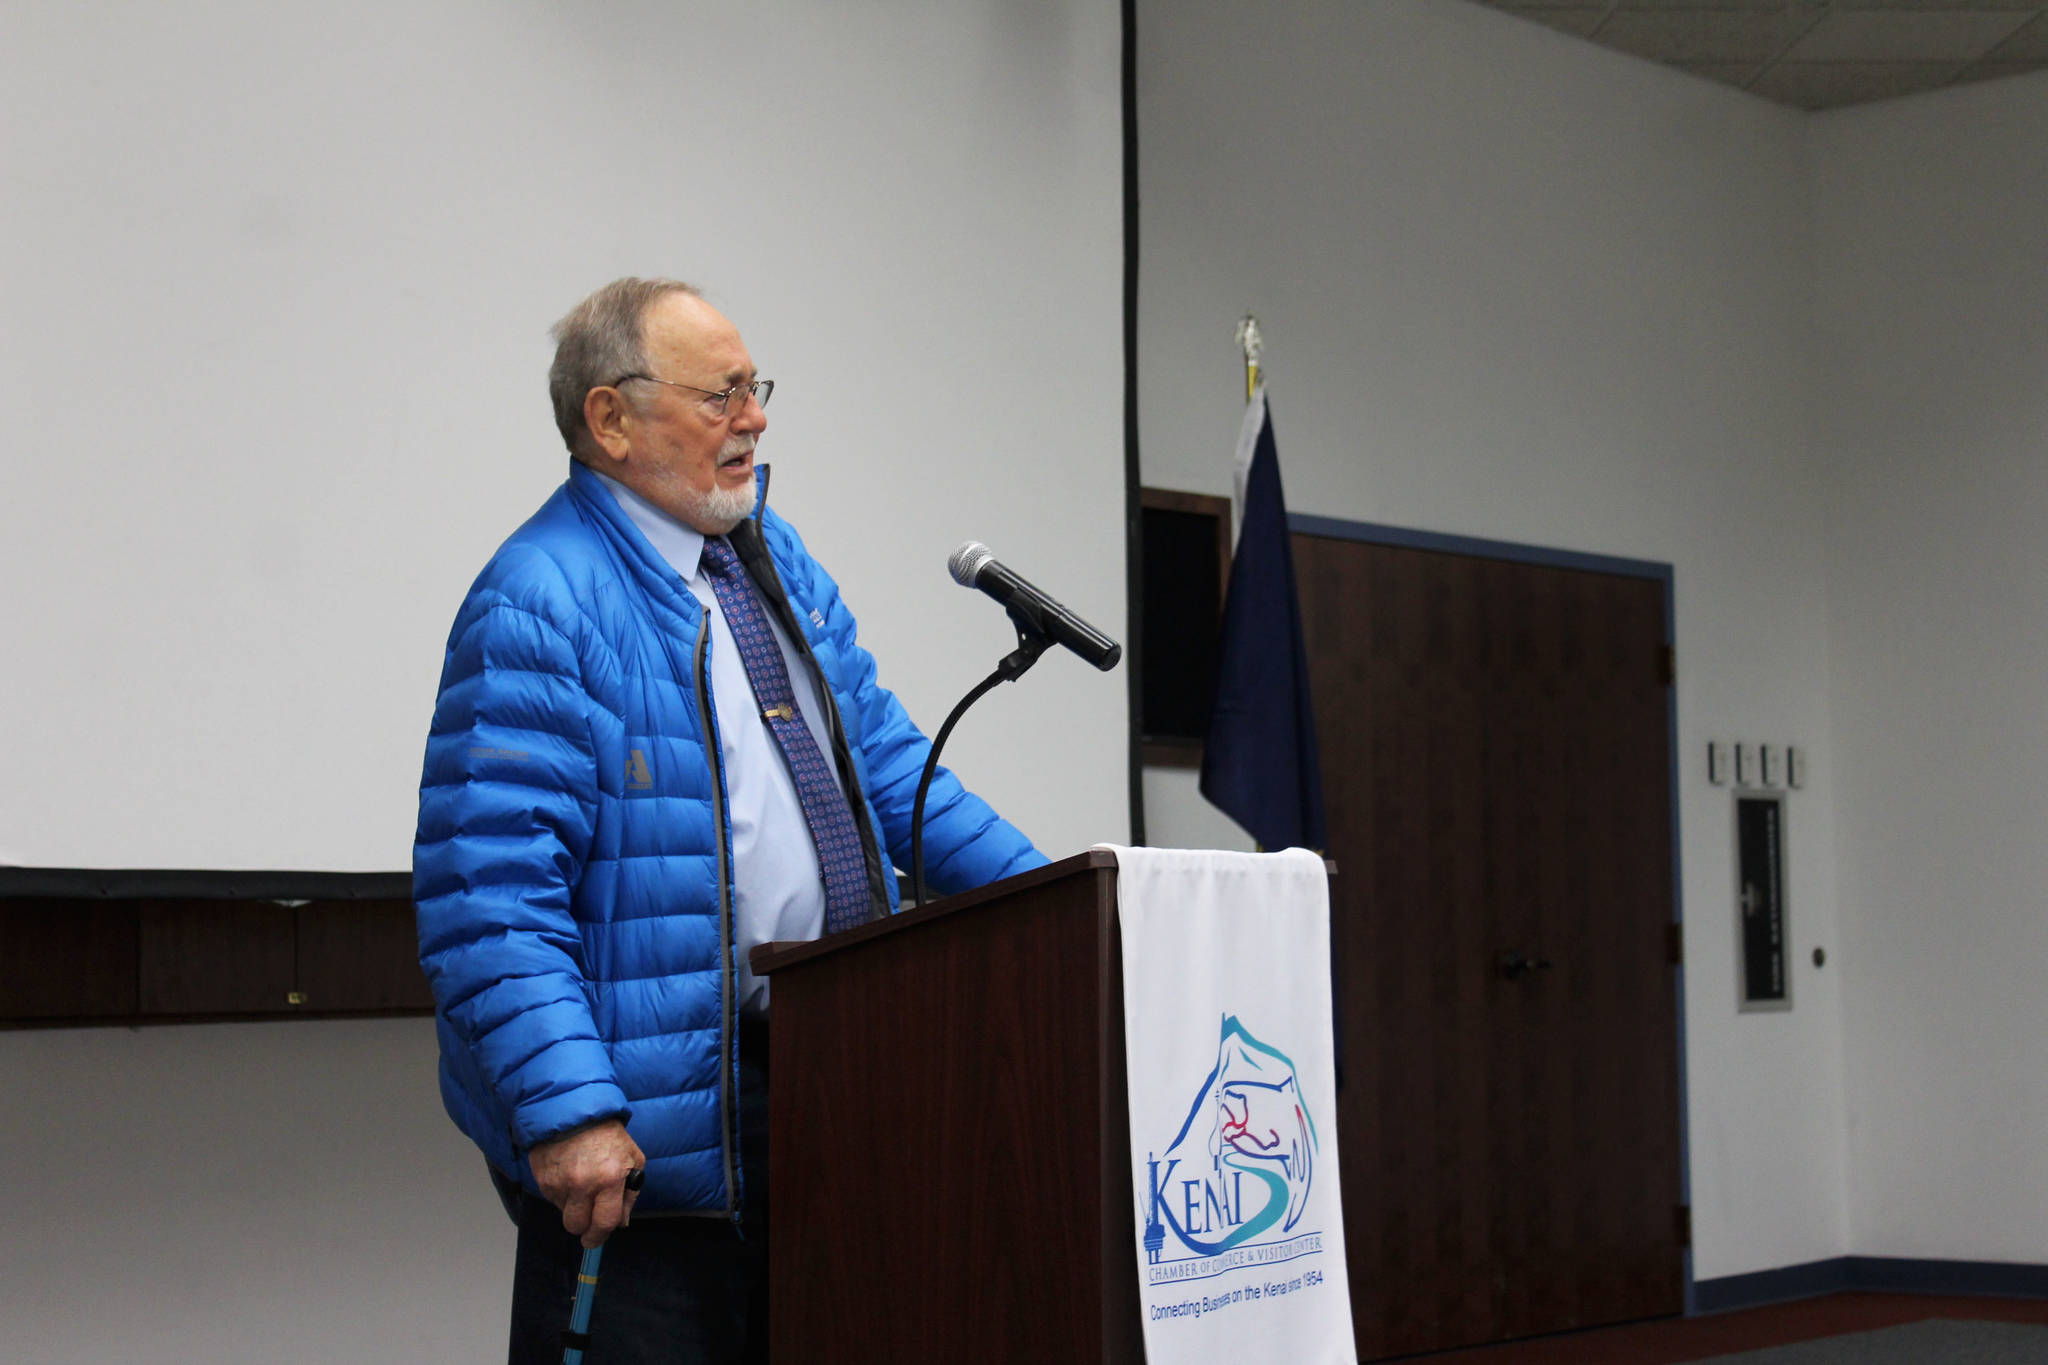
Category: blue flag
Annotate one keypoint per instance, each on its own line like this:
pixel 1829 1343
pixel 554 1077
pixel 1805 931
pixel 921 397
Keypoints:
pixel 1259 757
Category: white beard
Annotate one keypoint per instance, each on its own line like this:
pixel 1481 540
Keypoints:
pixel 723 507
pixel 726 507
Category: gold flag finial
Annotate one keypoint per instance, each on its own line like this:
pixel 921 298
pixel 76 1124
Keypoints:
pixel 1249 342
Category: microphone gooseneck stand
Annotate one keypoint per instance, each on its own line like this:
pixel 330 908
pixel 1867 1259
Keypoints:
pixel 1031 642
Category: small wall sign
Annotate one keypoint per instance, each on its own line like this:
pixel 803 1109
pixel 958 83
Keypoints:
pixel 1762 942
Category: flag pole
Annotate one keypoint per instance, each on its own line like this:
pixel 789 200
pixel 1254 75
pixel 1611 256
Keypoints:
pixel 1254 347
pixel 1249 341
pixel 1259 759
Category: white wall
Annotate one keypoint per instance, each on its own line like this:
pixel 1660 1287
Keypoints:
pixel 276 293
pixel 1177 815
pixel 244 1193
pixel 1515 286
pixel 275 288
pixel 1933 217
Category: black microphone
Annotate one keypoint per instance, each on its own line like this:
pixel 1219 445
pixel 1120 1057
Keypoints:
pixel 973 565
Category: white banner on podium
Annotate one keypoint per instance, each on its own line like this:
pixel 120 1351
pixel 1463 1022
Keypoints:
pixel 1239 1219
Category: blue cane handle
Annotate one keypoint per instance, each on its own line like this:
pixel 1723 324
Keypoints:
pixel 586 1288
pixel 579 1313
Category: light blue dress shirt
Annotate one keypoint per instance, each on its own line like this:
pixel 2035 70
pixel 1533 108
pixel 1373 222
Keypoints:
pixel 778 893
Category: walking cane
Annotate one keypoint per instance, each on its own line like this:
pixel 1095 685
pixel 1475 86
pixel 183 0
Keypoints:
pixel 578 1335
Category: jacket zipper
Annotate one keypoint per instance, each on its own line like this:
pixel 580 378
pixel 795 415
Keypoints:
pixel 728 1028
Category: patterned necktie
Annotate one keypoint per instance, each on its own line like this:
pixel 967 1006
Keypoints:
pixel 826 810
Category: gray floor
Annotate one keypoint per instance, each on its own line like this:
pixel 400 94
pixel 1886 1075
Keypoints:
pixel 1937 1341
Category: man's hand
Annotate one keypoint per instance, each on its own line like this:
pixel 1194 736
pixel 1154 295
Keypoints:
pixel 584 1175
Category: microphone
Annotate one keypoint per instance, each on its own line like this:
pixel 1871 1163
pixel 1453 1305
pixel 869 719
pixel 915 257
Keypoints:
pixel 973 565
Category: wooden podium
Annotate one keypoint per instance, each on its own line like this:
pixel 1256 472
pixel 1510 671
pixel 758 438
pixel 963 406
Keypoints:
pixel 950 1171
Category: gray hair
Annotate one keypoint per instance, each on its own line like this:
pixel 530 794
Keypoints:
pixel 601 339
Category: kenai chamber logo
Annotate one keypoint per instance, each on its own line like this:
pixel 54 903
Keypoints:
pixel 1231 1187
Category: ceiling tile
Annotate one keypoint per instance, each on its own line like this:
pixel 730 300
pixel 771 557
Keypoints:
pixel 1828 85
pixel 1579 20
pixel 1813 54
pixel 1728 73
pixel 1939 4
pixel 1670 6
pixel 2031 40
pixel 1704 35
pixel 1991 71
pixel 1901 35
pixel 1736 75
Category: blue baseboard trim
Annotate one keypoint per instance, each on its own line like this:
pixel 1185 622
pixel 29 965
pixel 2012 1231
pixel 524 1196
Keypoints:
pixel 1760 1287
pixel 2001 1279
pixel 1887 1274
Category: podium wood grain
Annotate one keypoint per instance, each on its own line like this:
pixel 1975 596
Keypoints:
pixel 950 1161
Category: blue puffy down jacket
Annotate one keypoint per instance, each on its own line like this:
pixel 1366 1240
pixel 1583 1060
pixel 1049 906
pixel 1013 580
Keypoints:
pixel 571 862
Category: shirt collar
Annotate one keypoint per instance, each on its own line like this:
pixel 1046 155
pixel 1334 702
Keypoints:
pixel 681 545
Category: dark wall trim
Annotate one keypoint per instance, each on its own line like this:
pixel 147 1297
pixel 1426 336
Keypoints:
pixel 143 884
pixel 1302 523
pixel 1890 1274
pixel 1771 1286
pixel 2001 1279
pixel 1134 516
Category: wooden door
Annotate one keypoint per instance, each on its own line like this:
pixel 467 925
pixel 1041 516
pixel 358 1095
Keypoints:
pixel 1496 762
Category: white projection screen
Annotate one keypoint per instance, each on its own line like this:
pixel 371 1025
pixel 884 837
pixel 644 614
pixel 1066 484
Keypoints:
pixel 276 293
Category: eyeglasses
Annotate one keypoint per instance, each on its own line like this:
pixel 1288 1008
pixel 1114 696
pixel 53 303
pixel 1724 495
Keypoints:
pixel 721 399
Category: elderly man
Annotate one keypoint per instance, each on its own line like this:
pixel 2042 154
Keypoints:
pixel 657 743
